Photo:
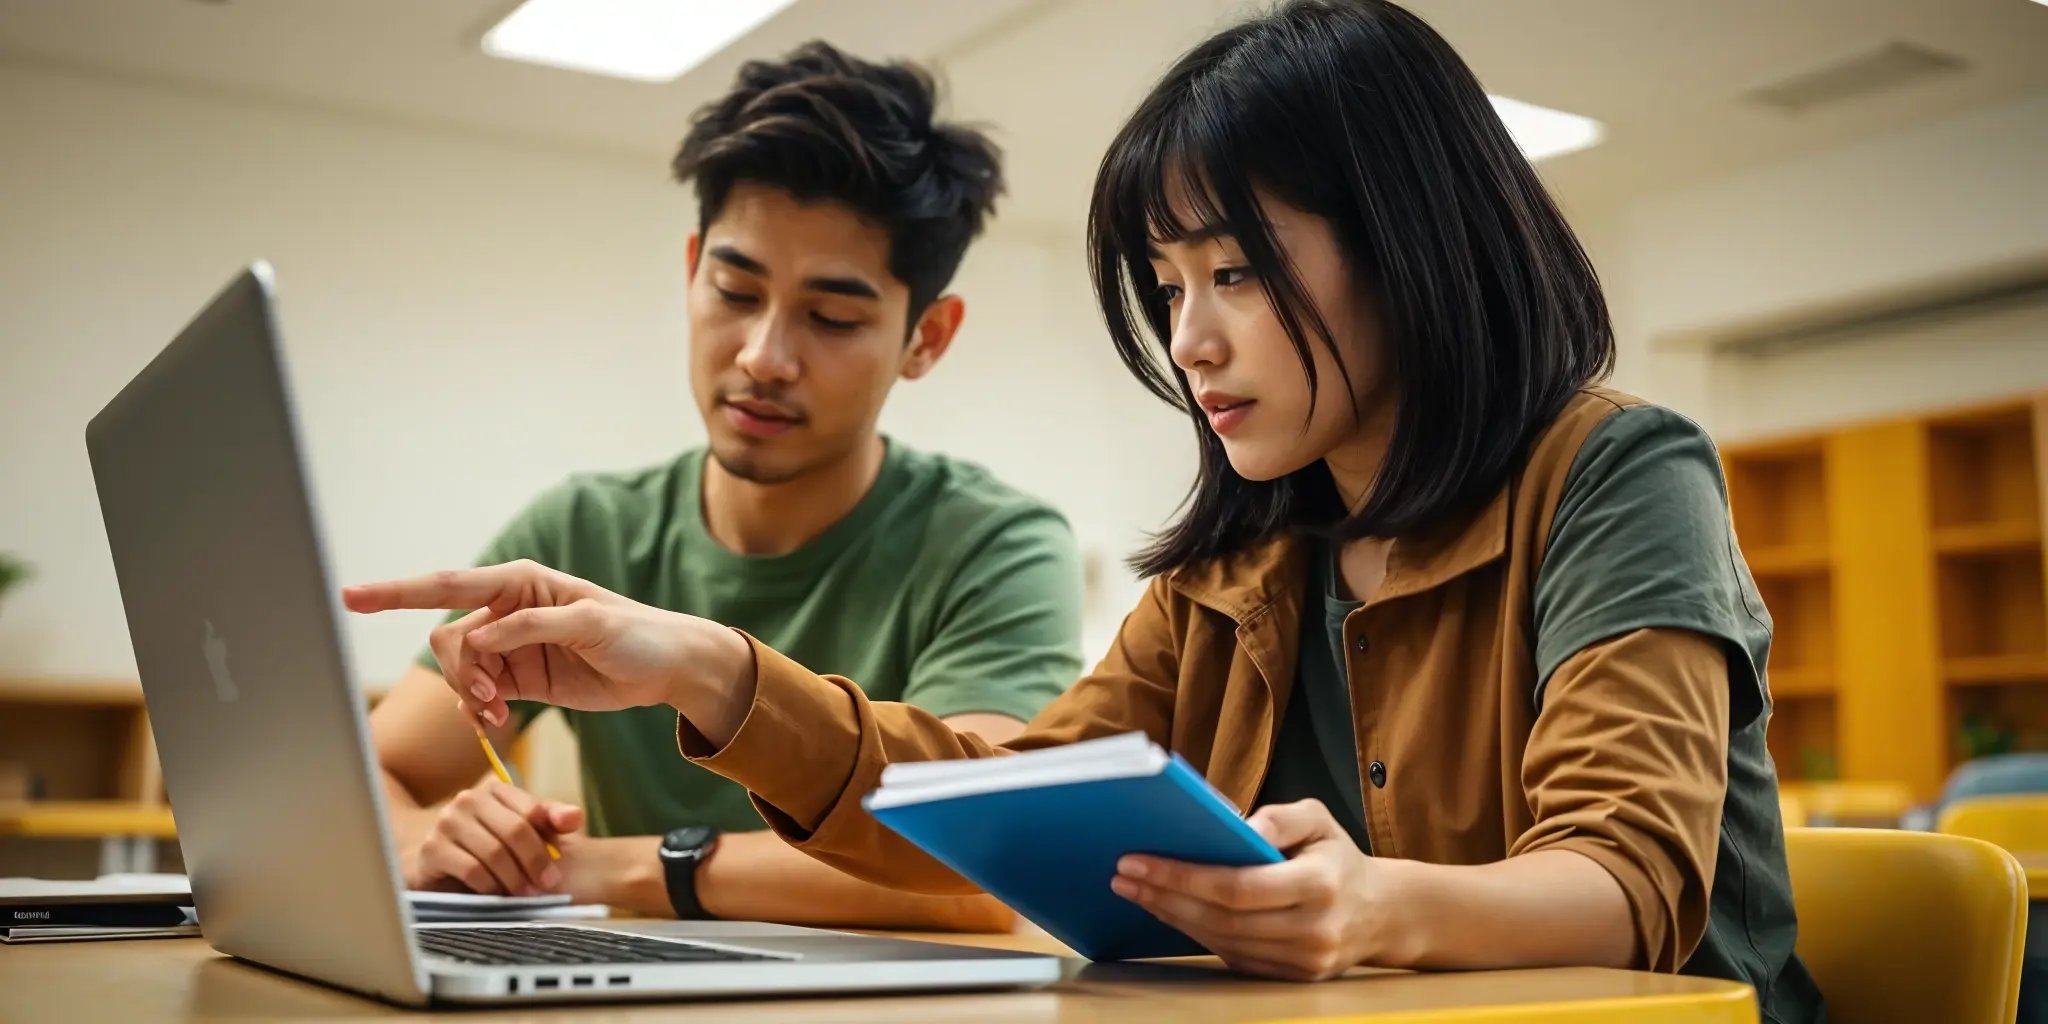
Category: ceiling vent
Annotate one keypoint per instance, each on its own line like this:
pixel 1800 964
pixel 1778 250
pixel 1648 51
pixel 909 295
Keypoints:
pixel 1973 292
pixel 1883 68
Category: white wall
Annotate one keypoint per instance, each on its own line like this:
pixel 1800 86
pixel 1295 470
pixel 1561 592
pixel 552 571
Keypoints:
pixel 1991 353
pixel 469 319
pixel 1927 201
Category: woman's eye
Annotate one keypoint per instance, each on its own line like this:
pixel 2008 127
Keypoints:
pixel 1167 293
pixel 736 298
pixel 1227 276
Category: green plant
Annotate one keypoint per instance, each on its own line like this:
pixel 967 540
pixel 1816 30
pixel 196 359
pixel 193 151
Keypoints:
pixel 1981 736
pixel 1817 763
pixel 13 571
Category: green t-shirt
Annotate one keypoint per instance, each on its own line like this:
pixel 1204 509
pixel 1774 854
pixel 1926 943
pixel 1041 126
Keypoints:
pixel 942 588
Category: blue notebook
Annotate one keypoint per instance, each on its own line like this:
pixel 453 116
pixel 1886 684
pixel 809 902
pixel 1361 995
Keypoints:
pixel 1042 832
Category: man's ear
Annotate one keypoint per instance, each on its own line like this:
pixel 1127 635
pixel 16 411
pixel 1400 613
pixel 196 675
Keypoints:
pixel 692 249
pixel 933 335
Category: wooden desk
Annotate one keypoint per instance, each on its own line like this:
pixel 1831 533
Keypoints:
pixel 151 980
pixel 128 830
pixel 85 819
pixel 89 745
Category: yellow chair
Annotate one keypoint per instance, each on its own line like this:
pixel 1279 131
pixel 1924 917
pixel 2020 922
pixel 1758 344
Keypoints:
pixel 2018 823
pixel 1791 809
pixel 1879 804
pixel 1909 926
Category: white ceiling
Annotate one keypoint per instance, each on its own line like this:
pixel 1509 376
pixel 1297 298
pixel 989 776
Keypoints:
pixel 1054 77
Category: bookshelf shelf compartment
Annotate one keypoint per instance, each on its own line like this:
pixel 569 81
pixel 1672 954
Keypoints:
pixel 1902 561
pixel 1997 670
pixel 2019 536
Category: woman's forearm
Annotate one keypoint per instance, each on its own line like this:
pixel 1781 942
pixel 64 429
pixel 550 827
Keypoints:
pixel 718 690
pixel 1542 909
pixel 754 876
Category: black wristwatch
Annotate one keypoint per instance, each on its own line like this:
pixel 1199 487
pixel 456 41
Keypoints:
pixel 681 852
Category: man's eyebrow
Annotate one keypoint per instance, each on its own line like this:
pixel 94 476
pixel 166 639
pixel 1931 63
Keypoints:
pixel 847 285
pixel 852 286
pixel 738 260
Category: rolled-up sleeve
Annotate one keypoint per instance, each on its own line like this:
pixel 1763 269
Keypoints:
pixel 812 746
pixel 1627 765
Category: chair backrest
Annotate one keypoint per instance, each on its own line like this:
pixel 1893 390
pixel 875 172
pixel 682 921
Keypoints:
pixel 1909 926
pixel 2018 823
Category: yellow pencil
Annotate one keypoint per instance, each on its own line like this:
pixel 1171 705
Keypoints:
pixel 505 775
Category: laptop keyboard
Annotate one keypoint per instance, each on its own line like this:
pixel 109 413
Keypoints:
pixel 513 947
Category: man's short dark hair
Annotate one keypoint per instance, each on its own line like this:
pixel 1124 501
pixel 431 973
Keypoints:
pixel 822 125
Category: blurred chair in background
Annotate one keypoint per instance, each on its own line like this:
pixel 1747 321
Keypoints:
pixel 1792 809
pixel 2020 825
pixel 2017 823
pixel 1909 926
pixel 1997 775
pixel 1873 804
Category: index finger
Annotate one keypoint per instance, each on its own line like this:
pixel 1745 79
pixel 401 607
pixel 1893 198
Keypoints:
pixel 449 589
pixel 1264 887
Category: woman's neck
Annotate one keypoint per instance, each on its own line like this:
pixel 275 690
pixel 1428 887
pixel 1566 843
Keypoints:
pixel 1354 465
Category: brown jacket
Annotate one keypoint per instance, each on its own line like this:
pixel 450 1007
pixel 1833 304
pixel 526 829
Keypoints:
pixel 1626 762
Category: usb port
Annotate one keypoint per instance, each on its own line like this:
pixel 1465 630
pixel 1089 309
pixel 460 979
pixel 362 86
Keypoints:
pixel 583 981
pixel 541 983
pixel 619 979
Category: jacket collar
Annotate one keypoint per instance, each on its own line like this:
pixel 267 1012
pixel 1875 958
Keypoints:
pixel 1249 583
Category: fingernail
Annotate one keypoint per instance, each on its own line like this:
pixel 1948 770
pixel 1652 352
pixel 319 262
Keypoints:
pixel 1133 868
pixel 477 690
pixel 1124 887
pixel 552 877
pixel 497 716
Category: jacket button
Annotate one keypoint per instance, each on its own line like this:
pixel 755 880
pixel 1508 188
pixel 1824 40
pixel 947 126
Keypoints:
pixel 1360 644
pixel 1377 772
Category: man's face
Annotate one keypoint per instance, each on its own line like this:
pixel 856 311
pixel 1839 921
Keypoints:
pixel 797 332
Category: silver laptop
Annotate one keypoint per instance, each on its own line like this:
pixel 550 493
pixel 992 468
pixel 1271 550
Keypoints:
pixel 263 735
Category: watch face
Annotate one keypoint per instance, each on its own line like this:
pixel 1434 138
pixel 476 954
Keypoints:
pixel 688 841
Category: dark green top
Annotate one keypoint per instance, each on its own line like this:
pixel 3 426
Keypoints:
pixel 1316 753
pixel 942 588
pixel 1641 540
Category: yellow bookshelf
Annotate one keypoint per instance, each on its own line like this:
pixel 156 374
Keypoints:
pixel 1902 562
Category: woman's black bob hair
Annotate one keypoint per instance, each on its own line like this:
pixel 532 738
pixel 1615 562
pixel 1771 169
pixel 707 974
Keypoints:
pixel 1357 112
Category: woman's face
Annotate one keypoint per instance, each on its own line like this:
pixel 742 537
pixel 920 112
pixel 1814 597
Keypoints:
pixel 1240 365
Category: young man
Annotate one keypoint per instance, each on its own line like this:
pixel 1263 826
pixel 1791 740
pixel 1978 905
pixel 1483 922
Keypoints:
pixel 833 211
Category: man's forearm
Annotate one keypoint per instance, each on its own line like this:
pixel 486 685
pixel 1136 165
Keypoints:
pixel 755 876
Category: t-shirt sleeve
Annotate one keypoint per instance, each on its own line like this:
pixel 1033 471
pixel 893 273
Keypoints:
pixel 538 532
pixel 1642 539
pixel 1008 634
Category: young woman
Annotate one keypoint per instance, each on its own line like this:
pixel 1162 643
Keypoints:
pixel 1471 635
